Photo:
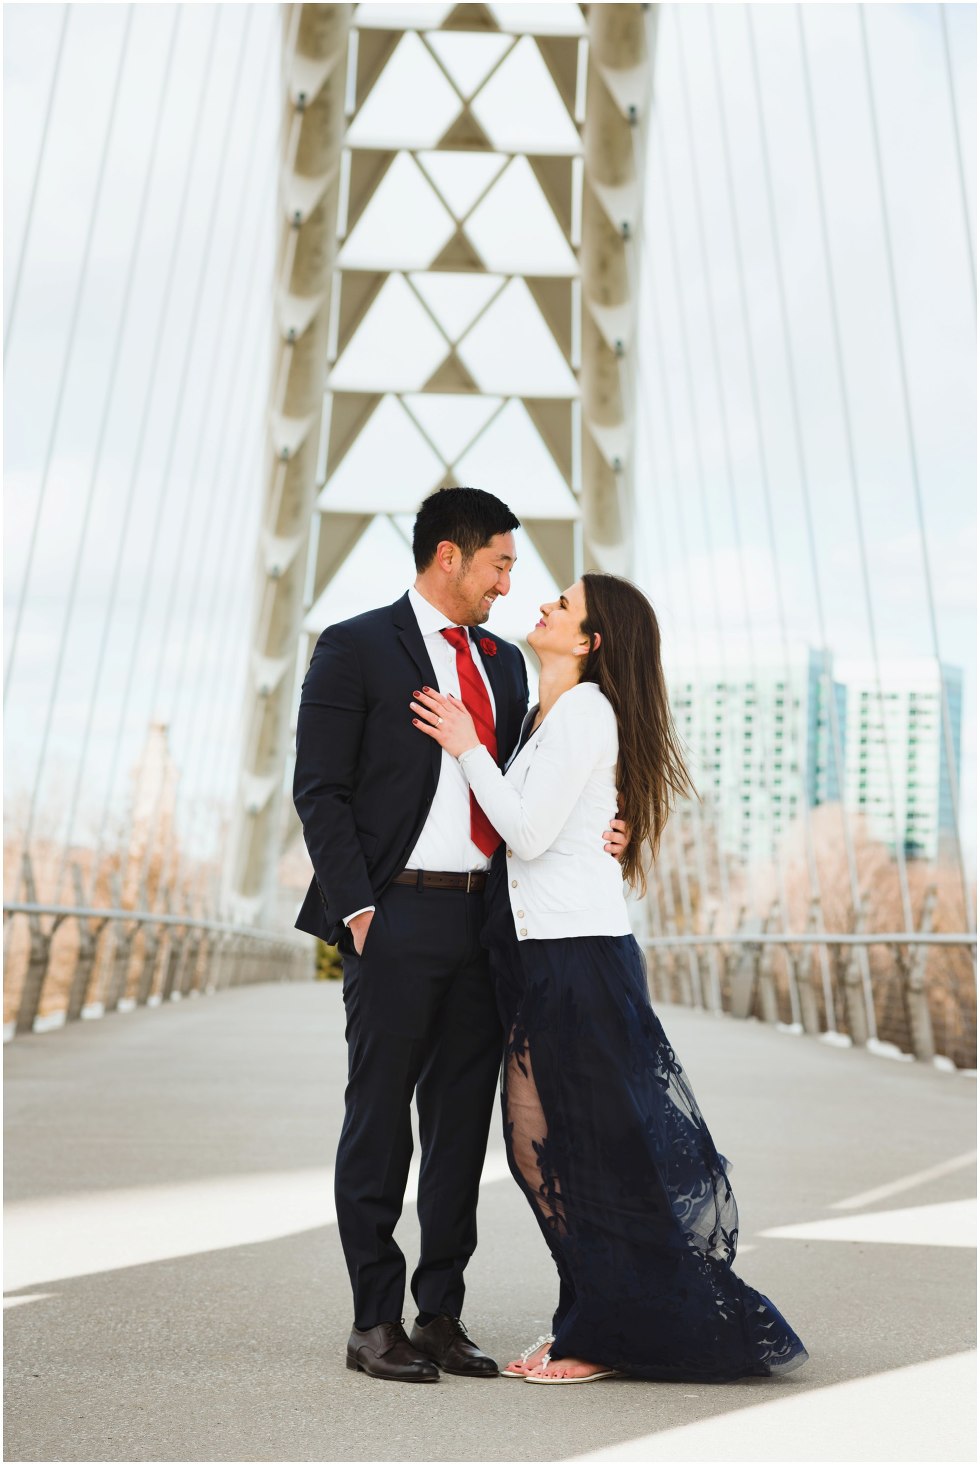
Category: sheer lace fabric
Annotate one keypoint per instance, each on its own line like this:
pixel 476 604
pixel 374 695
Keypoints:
pixel 606 1140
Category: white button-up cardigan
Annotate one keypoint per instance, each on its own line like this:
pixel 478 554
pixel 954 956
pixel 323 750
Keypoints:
pixel 551 808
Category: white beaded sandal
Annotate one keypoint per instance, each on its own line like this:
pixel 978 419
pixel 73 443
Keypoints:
pixel 582 1378
pixel 521 1367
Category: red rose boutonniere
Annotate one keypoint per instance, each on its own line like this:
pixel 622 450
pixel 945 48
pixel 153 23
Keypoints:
pixel 488 647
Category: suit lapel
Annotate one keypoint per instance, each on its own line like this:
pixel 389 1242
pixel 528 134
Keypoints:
pixel 412 639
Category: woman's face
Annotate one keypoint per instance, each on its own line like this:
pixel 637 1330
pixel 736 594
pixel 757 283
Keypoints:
pixel 559 631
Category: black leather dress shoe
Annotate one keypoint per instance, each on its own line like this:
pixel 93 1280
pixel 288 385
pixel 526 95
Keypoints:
pixel 384 1352
pixel 447 1343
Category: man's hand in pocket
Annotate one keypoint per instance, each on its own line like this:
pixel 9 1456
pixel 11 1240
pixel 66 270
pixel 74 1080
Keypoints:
pixel 359 929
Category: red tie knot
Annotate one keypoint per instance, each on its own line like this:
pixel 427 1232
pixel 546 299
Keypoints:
pixel 457 636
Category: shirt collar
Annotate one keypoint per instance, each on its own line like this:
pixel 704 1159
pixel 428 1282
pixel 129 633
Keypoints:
pixel 429 618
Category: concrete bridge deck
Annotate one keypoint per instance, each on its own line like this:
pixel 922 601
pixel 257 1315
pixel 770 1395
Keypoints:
pixel 175 1288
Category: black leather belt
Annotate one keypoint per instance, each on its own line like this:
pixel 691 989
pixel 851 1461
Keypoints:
pixel 470 881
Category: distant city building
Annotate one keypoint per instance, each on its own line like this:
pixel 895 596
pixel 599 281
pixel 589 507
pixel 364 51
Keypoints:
pixel 910 738
pixel 760 739
pixel 151 837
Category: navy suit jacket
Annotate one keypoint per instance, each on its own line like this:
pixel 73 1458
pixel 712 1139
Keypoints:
pixel 365 777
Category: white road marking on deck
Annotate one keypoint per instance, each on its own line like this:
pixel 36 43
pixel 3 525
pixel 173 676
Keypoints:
pixel 62 1236
pixel 907 1182
pixel 923 1412
pixel 34 1297
pixel 948 1223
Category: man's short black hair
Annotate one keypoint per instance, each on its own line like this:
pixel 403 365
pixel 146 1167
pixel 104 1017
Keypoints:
pixel 467 516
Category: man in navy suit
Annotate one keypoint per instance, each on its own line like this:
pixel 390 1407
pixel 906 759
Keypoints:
pixel 400 852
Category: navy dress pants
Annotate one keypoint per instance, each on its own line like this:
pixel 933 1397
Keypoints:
pixel 421 1020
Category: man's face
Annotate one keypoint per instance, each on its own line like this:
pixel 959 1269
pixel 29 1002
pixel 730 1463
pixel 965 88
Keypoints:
pixel 487 575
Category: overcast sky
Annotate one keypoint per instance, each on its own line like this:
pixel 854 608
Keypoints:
pixel 193 509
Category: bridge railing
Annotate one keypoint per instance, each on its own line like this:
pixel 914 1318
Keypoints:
pixel 829 998
pixel 129 958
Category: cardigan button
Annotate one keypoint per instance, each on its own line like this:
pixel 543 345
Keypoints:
pixel 510 854
pixel 519 914
pixel 523 930
pixel 514 884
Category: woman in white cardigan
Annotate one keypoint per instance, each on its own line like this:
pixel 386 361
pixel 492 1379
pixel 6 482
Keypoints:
pixel 603 1132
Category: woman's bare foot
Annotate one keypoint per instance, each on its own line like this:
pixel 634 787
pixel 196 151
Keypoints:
pixel 568 1370
pixel 529 1359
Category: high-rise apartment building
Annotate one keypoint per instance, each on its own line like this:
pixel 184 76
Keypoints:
pixel 760 741
pixel 896 750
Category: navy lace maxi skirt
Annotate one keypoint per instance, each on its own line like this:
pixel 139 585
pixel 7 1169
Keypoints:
pixel 605 1138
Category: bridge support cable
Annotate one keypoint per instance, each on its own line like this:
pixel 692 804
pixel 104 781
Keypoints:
pixel 913 455
pixel 174 433
pixel 109 402
pixel 212 766
pixel 206 764
pixel 247 308
pixel 66 362
pixel 800 453
pixel 853 480
pixel 765 763
pixel 11 304
pixel 645 417
pixel 239 314
pixel 765 476
pixel 954 115
pixel 146 412
pixel 694 419
pixel 630 384
pixel 216 669
pixel 315 69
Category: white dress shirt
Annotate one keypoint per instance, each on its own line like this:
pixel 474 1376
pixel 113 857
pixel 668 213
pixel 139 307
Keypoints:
pixel 444 843
pixel 552 807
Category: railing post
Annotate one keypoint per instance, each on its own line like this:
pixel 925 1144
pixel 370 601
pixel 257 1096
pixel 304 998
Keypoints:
pixel 223 956
pixel 803 972
pixel 767 986
pixel 171 958
pixel 151 950
pixel 206 943
pixel 37 962
pixel 746 969
pixel 913 969
pixel 88 941
pixel 192 945
pixel 857 1016
pixel 717 1003
pixel 121 957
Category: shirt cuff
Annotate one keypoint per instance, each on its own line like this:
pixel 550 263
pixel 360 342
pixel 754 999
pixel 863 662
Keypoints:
pixel 348 919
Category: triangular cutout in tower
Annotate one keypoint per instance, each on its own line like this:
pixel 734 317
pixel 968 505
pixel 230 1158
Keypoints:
pixel 469 18
pixel 374 49
pixel 515 230
pixel 456 299
pixel 458 254
pixel 467 134
pixel 451 422
pixel 468 56
pixel 554 174
pixel 460 178
pixel 451 376
pixel 560 55
pixel 522 110
pixel 554 300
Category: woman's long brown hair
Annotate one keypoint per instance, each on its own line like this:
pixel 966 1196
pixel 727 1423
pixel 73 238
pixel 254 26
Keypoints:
pixel 626 666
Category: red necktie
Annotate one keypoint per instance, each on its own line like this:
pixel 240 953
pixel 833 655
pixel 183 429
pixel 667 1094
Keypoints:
pixel 477 703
